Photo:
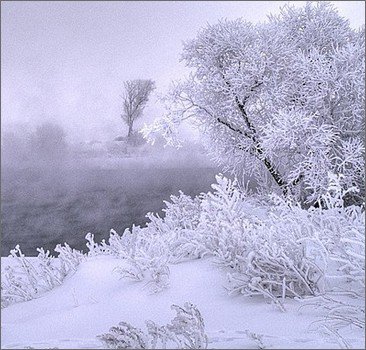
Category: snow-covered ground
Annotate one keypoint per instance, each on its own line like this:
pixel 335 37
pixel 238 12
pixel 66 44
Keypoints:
pixel 93 299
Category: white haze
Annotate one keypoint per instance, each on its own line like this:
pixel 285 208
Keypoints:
pixel 66 61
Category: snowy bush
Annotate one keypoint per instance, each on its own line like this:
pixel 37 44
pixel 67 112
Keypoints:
pixel 69 258
pixel 124 336
pixel 347 250
pixel 96 248
pixel 266 255
pixel 344 243
pixel 150 266
pixel 270 247
pixel 148 251
pixel 27 278
pixel 179 227
pixel 290 251
pixel 281 251
pixel 185 331
pixel 146 255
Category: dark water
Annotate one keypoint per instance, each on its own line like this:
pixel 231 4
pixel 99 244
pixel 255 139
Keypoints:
pixel 43 207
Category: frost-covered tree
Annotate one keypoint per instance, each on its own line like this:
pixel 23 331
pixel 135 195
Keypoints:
pixel 135 97
pixel 283 100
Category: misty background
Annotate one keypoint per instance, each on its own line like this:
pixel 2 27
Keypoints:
pixel 63 65
pixel 66 61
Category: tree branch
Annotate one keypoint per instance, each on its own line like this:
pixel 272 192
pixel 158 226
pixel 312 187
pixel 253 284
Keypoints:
pixel 259 152
pixel 253 136
pixel 232 128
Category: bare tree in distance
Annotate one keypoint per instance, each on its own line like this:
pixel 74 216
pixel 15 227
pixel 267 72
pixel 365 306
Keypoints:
pixel 135 97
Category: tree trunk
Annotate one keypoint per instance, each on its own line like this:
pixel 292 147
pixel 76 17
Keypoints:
pixel 129 130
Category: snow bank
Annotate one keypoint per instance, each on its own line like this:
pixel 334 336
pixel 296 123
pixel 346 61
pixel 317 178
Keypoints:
pixel 89 302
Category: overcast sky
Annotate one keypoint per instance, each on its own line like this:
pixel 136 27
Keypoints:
pixel 67 60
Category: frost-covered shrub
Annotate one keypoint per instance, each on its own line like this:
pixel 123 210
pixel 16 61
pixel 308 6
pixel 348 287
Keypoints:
pixel 185 331
pixel 342 237
pixel 343 241
pixel 96 248
pixel 267 254
pixel 189 327
pixel 153 268
pixel 69 258
pixel 276 249
pixel 183 211
pixel 121 246
pixel 124 336
pixel 312 252
pixel 29 277
pixel 47 270
pixel 146 254
pixel 148 251
pixel 179 227
pixel 273 248
pixel 224 214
